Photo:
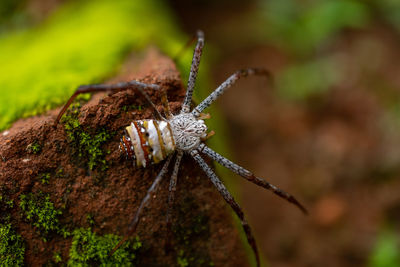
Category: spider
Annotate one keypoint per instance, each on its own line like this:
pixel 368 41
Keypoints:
pixel 150 141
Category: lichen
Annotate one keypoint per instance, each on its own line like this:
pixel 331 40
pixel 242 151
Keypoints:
pixel 40 211
pixel 12 248
pixel 89 249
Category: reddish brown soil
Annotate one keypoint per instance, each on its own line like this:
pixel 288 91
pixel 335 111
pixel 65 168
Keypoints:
pixel 112 196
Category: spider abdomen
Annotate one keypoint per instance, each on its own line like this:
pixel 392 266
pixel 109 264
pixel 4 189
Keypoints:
pixel 148 141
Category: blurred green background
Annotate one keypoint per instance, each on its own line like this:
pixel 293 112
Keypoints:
pixel 328 131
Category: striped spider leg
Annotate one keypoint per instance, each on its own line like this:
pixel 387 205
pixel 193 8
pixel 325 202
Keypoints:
pixel 248 175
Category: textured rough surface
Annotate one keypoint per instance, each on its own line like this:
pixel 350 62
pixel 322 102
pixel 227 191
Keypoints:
pixel 37 158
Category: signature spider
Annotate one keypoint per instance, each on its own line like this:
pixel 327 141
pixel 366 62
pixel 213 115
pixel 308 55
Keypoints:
pixel 152 141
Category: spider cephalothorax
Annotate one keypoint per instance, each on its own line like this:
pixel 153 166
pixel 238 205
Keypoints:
pixel 187 131
pixel 152 141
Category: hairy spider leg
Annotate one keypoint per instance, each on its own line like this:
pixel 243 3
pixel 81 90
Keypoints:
pixel 227 84
pixel 133 225
pixel 249 176
pixel 229 199
pixel 92 88
pixel 171 193
pixel 194 68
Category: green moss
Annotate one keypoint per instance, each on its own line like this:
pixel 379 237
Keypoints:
pixel 44 178
pixel 5 202
pixel 60 173
pixel 90 219
pixel 40 211
pixel 192 230
pixel 132 107
pixel 82 42
pixel 88 146
pixel 57 257
pixel 89 249
pixel 182 262
pixel 34 148
pixel 12 248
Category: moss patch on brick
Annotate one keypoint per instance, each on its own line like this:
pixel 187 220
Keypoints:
pixel 189 231
pixel 88 145
pixel 89 249
pixel 12 248
pixel 40 211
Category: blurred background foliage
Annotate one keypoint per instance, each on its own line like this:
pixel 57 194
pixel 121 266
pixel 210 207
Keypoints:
pixel 303 26
pixel 328 131
pixel 75 45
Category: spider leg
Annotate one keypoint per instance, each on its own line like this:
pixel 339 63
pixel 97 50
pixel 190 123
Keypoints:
pixel 151 190
pixel 225 85
pixel 91 88
pixel 229 199
pixel 249 176
pixel 171 190
pixel 193 72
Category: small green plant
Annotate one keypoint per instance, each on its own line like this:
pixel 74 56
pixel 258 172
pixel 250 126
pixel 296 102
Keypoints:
pixel 57 257
pixel 88 249
pixel 44 178
pixel 39 210
pixel 12 248
pixel 60 173
pixel 89 146
pixel 189 231
pixel 90 219
pixel 132 107
pixel 34 148
pixel 5 202
pixel 182 262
